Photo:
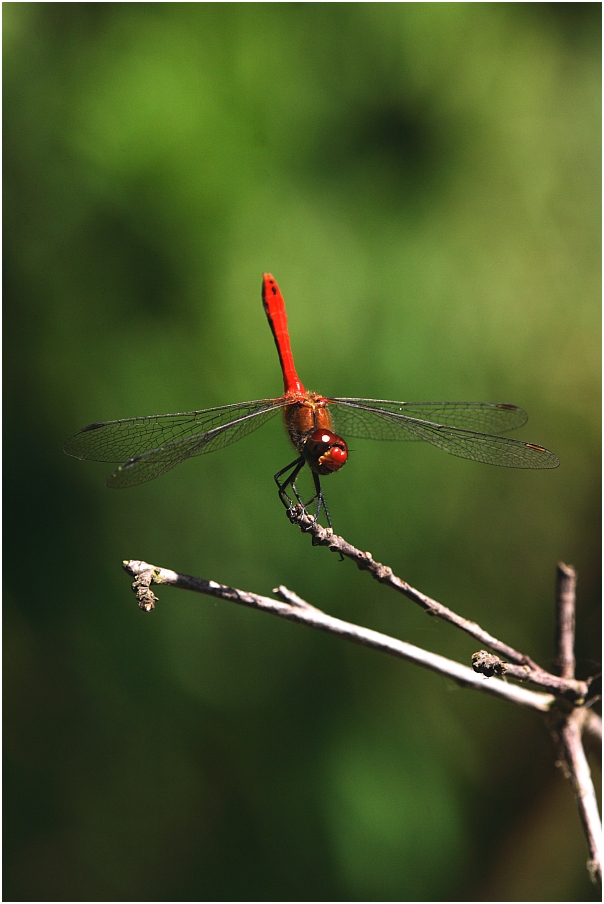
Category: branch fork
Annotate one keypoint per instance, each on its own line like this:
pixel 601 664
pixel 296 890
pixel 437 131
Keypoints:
pixel 561 698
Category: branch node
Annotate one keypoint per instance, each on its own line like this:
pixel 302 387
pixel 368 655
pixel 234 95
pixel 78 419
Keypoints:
pixel 141 587
pixel 288 596
pixel 488 665
pixel 383 572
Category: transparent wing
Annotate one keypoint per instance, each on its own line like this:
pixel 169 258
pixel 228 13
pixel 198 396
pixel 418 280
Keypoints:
pixel 392 421
pixel 118 440
pixel 158 443
pixel 493 450
pixel 152 464
pixel 384 420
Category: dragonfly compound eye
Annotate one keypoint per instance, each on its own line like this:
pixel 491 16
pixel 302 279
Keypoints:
pixel 325 451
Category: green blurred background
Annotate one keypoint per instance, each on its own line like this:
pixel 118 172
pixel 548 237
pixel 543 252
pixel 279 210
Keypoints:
pixel 423 180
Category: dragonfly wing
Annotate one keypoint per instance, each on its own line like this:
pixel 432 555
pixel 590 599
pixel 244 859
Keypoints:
pixel 385 420
pixel 130 437
pixel 493 450
pixel 151 464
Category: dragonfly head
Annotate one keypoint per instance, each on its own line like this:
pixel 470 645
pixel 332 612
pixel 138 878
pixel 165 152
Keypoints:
pixel 325 452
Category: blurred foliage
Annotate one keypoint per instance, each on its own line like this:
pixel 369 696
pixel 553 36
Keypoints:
pixel 423 180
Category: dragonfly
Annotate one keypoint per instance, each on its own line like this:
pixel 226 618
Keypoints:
pixel 148 447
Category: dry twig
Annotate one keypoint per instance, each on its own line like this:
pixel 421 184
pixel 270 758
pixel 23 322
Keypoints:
pixel 530 671
pixel 568 730
pixel 564 704
pixel 293 608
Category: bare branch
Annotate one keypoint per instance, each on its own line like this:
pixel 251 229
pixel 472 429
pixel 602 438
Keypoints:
pixel 297 610
pixel 574 690
pixel 566 581
pixel 592 727
pixel 576 768
pixel 566 709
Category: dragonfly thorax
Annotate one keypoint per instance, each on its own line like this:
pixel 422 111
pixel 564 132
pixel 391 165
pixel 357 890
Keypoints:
pixel 307 412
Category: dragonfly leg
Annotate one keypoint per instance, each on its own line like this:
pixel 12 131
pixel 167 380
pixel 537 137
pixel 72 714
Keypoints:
pixel 319 498
pixel 294 469
pixel 286 480
pixel 321 504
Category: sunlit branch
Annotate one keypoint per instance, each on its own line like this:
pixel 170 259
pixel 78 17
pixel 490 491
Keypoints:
pixel 592 727
pixel 528 671
pixel 576 769
pixel 293 608
pixel 565 706
pixel 566 582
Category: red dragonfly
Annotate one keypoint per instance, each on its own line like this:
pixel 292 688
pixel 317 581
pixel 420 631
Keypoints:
pixel 155 444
